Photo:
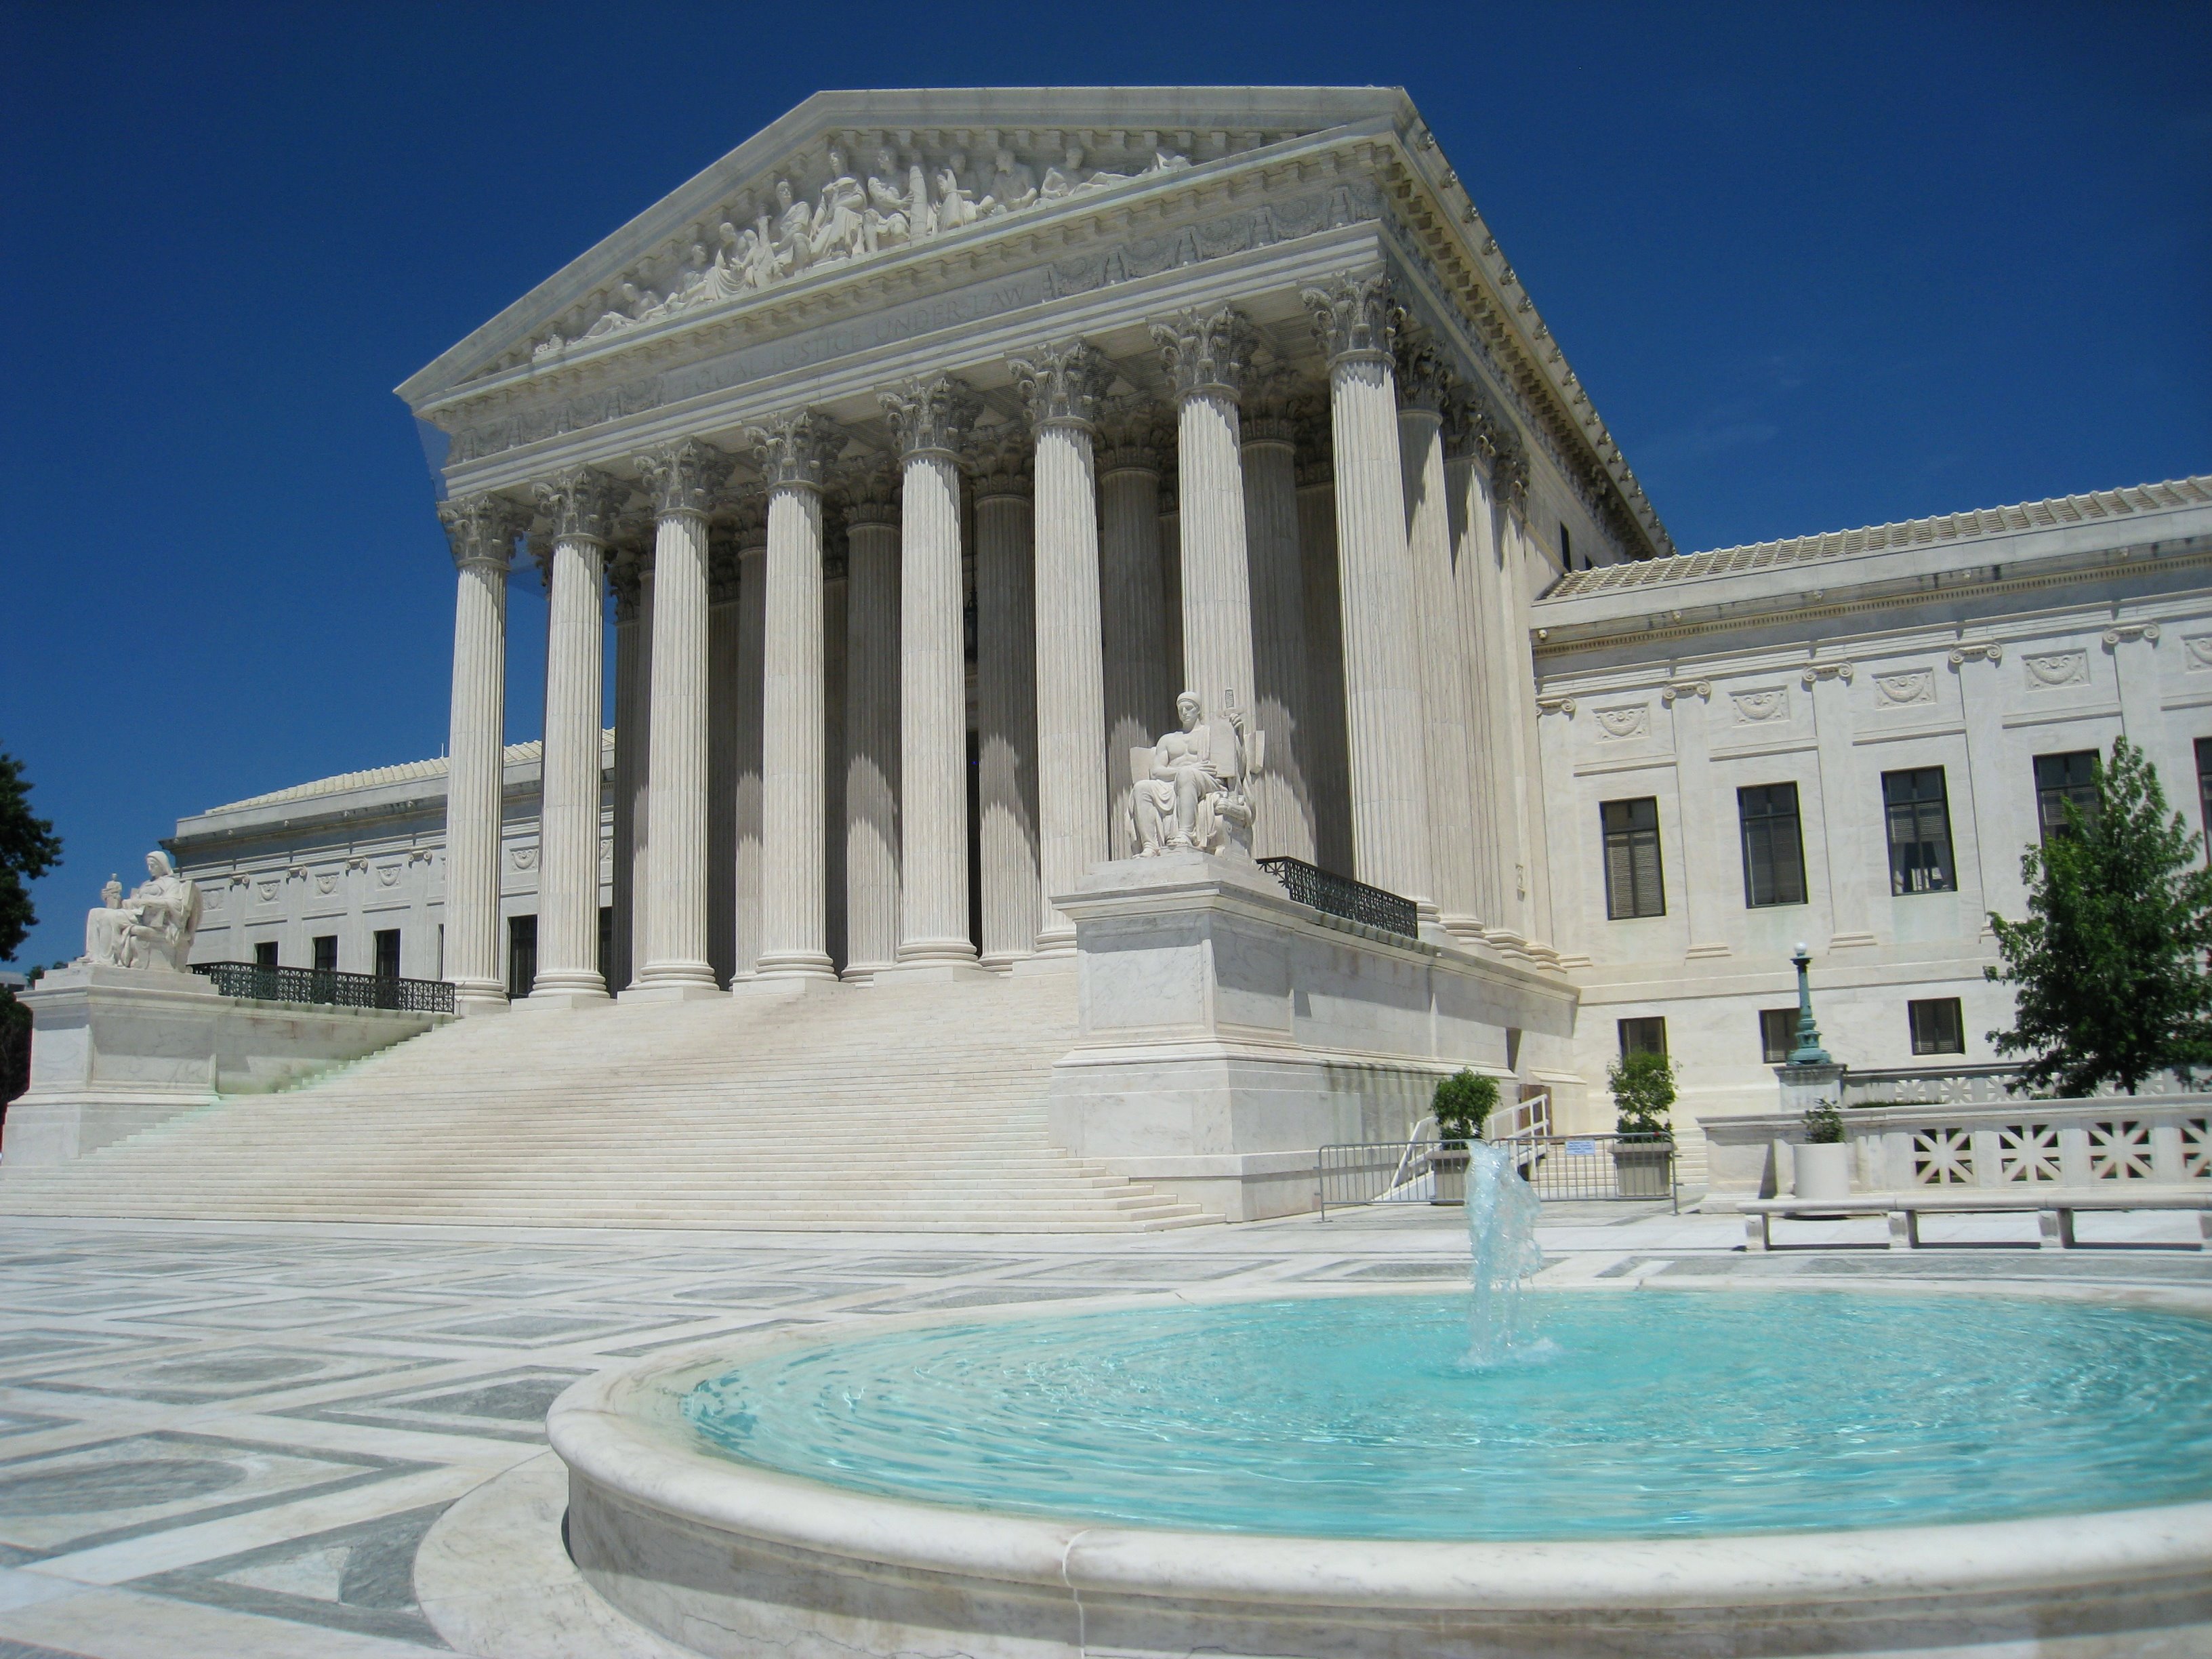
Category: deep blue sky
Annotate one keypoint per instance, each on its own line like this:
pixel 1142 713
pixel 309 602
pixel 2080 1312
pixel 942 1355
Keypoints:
pixel 1819 266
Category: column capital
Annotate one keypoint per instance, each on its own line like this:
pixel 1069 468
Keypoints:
pixel 1205 351
pixel 1426 380
pixel 1002 468
pixel 580 501
pixel 1268 412
pixel 1132 433
pixel 872 495
pixel 481 530
pixel 1063 385
pixel 793 450
pixel 931 415
pixel 683 476
pixel 1354 317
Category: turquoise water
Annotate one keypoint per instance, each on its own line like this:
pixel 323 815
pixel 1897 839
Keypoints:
pixel 1635 1414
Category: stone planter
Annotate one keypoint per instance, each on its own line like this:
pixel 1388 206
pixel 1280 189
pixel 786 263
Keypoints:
pixel 1644 1168
pixel 1824 1169
pixel 1450 1166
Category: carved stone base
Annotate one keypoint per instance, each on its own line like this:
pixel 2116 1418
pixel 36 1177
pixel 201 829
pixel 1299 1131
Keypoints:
pixel 1228 1031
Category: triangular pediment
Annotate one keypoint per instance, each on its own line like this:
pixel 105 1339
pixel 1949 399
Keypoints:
pixel 854 176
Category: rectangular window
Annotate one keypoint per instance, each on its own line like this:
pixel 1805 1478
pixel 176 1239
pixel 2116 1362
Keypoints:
pixel 2060 779
pixel 264 954
pixel 1632 883
pixel 1773 850
pixel 1777 1034
pixel 2204 785
pixel 522 955
pixel 387 953
pixel 1566 548
pixel 1643 1036
pixel 326 953
pixel 1938 1026
pixel 1919 815
pixel 607 946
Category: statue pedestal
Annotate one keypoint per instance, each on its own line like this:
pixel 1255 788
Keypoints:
pixel 1228 1031
pixel 117 1050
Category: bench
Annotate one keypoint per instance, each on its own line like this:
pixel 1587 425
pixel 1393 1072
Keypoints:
pixel 2054 1208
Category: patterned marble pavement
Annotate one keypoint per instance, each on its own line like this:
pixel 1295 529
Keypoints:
pixel 229 1442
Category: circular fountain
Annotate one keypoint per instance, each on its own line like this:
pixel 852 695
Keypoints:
pixel 1587 1472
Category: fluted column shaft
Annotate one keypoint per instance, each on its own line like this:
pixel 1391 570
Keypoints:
pixel 568 835
pixel 1071 694
pixel 1442 669
pixel 628 724
pixel 476 749
pixel 1216 588
pixel 794 936
pixel 933 716
pixel 1007 709
pixel 752 635
pixel 640 786
pixel 1355 321
pixel 1283 805
pixel 677 892
pixel 722 699
pixel 1132 627
pixel 1490 741
pixel 1324 751
pixel 872 732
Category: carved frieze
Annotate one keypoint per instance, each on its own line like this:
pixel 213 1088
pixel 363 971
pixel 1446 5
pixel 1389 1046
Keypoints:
pixel 2198 650
pixel 1624 724
pixel 1762 707
pixel 2048 670
pixel 1905 688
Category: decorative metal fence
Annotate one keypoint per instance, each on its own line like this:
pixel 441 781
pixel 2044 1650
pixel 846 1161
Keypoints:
pixel 1563 1169
pixel 329 989
pixel 1341 895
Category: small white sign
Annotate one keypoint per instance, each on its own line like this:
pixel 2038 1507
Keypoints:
pixel 1582 1149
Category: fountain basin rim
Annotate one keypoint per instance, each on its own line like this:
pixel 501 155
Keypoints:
pixel 621 1432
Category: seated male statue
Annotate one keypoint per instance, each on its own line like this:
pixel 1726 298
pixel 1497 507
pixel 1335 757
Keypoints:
pixel 1190 793
pixel 152 929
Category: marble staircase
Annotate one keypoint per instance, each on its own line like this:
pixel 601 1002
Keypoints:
pixel 900 1106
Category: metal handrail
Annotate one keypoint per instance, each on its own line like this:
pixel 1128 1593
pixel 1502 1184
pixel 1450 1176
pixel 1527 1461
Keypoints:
pixel 1340 896
pixel 327 987
pixel 1566 1168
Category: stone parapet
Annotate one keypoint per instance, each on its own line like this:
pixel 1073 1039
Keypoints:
pixel 1227 1031
pixel 117 1050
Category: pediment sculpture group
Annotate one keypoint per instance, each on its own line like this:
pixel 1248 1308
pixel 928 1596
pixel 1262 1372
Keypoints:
pixel 153 928
pixel 853 217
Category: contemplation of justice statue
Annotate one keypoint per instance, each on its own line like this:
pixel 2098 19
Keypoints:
pixel 152 929
pixel 1189 788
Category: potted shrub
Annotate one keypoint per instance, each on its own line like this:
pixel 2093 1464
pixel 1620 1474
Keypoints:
pixel 1463 1103
pixel 1823 1158
pixel 1643 1087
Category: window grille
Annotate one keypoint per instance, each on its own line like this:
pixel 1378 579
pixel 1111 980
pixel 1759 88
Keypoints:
pixel 1777 1034
pixel 1773 848
pixel 1647 1035
pixel 1919 817
pixel 1634 885
pixel 1938 1026
pixel 387 953
pixel 2060 779
pixel 326 953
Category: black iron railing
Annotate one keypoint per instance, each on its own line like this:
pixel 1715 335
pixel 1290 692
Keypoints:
pixel 335 990
pixel 1341 895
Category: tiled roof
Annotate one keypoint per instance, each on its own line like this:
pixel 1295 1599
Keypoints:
pixel 1882 537
pixel 376 776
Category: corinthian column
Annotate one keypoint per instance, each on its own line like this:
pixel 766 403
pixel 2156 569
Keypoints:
pixel 1131 623
pixel 1206 354
pixel 1424 381
pixel 1006 781
pixel 622 579
pixel 482 530
pixel 580 504
pixel 1062 386
pixel 931 417
pixel 1353 320
pixel 722 665
pixel 681 480
pixel 745 786
pixel 795 450
pixel 871 728
pixel 1283 805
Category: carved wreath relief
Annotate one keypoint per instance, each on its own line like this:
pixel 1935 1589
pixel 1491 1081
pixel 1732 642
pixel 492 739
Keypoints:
pixel 2055 668
pixel 1760 707
pixel 1900 690
pixel 1619 724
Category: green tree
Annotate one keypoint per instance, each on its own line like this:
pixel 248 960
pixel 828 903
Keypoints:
pixel 2108 971
pixel 1463 1103
pixel 1642 1086
pixel 28 849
